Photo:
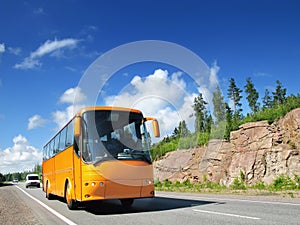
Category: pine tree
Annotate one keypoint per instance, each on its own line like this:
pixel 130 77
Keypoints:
pixel 219 105
pixel 234 93
pixel 228 122
pixel 252 95
pixel 176 132
pixel 200 113
pixel 208 124
pixel 279 96
pixel 184 131
pixel 267 100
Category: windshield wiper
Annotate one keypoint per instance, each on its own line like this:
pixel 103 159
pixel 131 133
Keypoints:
pixel 139 153
pixel 102 159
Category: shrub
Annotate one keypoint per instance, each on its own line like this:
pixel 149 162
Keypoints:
pixel 238 184
pixel 261 186
pixel 167 183
pixel 283 182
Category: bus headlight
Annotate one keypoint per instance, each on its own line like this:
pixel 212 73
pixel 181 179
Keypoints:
pixel 148 182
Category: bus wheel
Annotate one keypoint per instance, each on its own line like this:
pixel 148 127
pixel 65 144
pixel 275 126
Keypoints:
pixel 71 203
pixel 49 196
pixel 126 203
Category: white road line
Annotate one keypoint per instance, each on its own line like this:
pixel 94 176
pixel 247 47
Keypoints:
pixel 226 214
pixel 69 222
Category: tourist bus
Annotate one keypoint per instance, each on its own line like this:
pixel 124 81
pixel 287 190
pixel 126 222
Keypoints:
pixel 101 153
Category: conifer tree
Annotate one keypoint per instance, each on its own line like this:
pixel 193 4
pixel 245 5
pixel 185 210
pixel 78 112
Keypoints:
pixel 200 113
pixel 228 122
pixel 219 105
pixel 252 95
pixel 267 100
pixel 279 96
pixel 234 93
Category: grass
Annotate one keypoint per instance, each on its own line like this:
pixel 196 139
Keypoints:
pixel 283 185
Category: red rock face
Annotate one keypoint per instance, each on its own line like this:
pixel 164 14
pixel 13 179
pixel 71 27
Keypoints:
pixel 259 150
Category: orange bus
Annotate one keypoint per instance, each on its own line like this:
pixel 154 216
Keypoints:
pixel 103 152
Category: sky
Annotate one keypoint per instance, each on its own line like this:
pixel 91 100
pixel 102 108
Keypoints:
pixel 57 56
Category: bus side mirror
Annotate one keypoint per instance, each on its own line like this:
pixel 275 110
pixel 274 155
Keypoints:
pixel 155 127
pixel 77 130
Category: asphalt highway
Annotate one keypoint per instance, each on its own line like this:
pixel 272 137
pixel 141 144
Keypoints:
pixel 165 208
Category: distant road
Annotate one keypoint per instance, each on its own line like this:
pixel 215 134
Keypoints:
pixel 166 208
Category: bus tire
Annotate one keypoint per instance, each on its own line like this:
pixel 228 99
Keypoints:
pixel 49 196
pixel 71 203
pixel 127 202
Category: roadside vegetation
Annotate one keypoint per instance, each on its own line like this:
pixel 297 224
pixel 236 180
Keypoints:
pixel 2 179
pixel 225 118
pixel 290 186
pixel 20 175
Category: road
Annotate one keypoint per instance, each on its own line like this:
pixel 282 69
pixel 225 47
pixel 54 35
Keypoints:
pixel 166 208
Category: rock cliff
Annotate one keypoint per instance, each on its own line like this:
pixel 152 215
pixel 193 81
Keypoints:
pixel 258 150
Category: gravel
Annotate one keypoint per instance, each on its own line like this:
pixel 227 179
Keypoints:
pixel 12 209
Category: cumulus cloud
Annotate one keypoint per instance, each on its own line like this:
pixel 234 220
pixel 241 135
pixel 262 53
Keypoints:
pixel 167 97
pixel 2 48
pixel 20 157
pixel 156 89
pixel 74 97
pixel 49 47
pixel 162 95
pixel 35 122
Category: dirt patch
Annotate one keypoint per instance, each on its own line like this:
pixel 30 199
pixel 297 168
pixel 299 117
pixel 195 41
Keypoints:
pixel 12 209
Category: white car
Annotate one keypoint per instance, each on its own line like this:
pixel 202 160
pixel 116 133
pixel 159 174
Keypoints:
pixel 32 180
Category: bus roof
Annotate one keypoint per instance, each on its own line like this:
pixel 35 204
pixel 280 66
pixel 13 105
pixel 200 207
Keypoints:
pixel 110 108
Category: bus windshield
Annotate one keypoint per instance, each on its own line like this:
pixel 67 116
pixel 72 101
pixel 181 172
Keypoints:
pixel 120 135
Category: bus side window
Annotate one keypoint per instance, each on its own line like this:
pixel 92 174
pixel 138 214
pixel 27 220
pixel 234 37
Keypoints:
pixel 62 140
pixel 70 134
pixel 45 152
pixel 56 146
pixel 50 149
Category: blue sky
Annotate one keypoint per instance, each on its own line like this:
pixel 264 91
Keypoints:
pixel 46 47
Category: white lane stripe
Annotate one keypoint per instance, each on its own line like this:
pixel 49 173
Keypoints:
pixel 48 208
pixel 226 214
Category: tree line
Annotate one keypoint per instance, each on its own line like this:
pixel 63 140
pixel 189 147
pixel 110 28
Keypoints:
pixel 227 116
pixel 37 169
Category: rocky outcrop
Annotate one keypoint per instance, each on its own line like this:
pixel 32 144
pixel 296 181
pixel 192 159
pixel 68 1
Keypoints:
pixel 179 165
pixel 257 150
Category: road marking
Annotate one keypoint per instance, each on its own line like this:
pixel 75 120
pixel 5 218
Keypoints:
pixel 48 208
pixel 226 214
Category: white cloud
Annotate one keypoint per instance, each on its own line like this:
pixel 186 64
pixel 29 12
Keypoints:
pixel 20 157
pixel 14 51
pixel 156 89
pixel 72 95
pixel 75 98
pixel 166 97
pixel 2 48
pixel 61 117
pixel 49 47
pixel 35 121
pixel 159 95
